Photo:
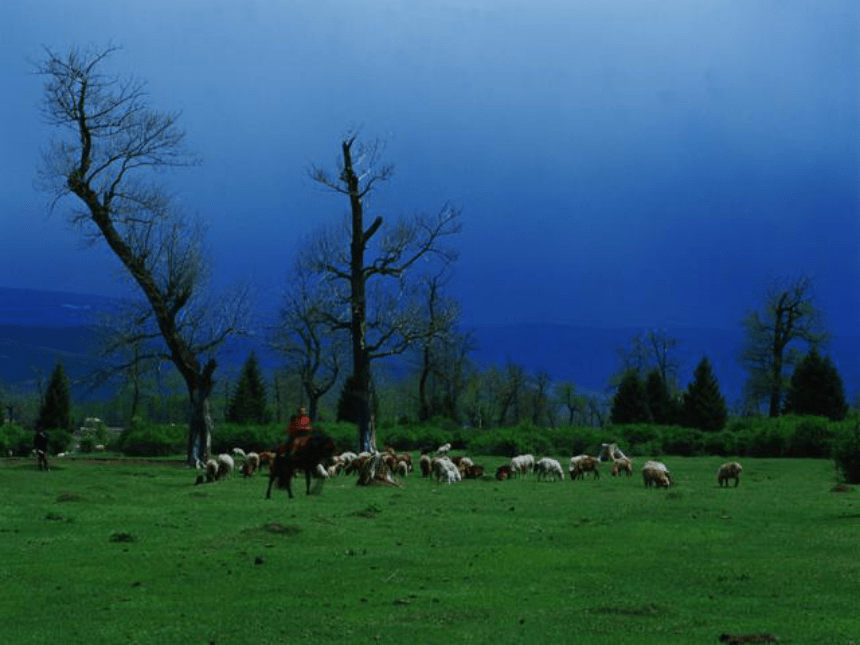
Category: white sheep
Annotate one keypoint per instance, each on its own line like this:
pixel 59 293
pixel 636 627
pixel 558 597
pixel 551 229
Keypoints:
pixel 549 468
pixel 444 449
pixel 523 464
pixel 225 465
pixel 445 470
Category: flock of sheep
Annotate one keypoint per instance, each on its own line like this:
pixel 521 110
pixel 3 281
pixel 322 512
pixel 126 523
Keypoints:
pixel 383 467
pixel 654 473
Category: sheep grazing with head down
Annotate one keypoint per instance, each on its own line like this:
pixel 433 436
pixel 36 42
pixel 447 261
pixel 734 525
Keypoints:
pixel 210 472
pixel 547 468
pixel 622 466
pixel 655 473
pixel 523 464
pixel 225 466
pixel 503 472
pixel 444 470
pixel 426 465
pixel 729 470
pixel 582 464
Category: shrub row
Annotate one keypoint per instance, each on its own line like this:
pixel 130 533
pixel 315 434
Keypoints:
pixel 814 437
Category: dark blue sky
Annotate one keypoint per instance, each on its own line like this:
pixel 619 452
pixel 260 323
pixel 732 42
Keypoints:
pixel 618 163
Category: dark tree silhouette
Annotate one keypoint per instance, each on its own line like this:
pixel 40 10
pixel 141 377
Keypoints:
pixel 248 403
pixel 630 403
pixel 704 406
pixel 816 388
pixel 56 408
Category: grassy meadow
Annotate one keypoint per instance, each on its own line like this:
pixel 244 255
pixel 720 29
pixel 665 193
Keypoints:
pixel 113 552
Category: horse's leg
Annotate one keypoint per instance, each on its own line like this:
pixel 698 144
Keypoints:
pixel 289 479
pixel 271 481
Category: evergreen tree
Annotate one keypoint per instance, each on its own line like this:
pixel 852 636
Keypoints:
pixel 816 388
pixel 55 411
pixel 704 406
pixel 663 408
pixel 630 403
pixel 248 404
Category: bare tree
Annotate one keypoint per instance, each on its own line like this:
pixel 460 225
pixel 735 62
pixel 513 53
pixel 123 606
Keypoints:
pixel 111 143
pixel 440 353
pixel 383 322
pixel 304 336
pixel 650 350
pixel 566 396
pixel 790 314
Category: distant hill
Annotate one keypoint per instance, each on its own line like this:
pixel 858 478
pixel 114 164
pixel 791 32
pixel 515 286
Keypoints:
pixel 38 328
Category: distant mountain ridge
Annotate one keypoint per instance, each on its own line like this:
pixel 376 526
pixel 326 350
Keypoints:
pixel 38 328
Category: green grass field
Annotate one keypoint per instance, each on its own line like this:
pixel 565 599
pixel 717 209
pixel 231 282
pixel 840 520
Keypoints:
pixel 95 552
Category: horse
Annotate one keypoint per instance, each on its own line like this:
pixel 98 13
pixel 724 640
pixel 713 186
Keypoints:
pixel 304 453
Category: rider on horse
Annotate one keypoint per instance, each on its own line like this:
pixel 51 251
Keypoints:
pixel 300 426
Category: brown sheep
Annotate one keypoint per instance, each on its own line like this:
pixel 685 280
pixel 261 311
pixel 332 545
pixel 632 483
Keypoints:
pixel 622 466
pixel 474 472
pixel 585 465
pixel 503 472
pixel 729 470
pixel 655 473
pixel 425 463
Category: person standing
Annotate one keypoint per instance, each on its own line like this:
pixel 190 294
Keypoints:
pixel 40 444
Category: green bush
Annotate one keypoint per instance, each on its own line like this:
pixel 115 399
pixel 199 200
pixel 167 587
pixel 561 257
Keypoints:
pixel 684 442
pixel 845 450
pixel 812 437
pixel 143 439
pixel 724 443
pixel 633 434
pixel 15 438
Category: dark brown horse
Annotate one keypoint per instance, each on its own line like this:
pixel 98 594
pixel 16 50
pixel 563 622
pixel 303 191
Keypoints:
pixel 304 453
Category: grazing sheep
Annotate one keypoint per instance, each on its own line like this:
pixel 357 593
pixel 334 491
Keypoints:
pixel 405 457
pixel 655 473
pixel 573 461
pixel 584 464
pixel 266 457
pixel 547 468
pixel 474 472
pixel 445 470
pixel 210 472
pixel 374 470
pixel 225 466
pixel 444 449
pixel 503 472
pixel 729 470
pixel 402 468
pixel 523 464
pixel 425 463
pixel 622 466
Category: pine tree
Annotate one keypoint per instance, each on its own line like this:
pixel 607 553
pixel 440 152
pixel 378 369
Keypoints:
pixel 248 404
pixel 664 409
pixel 704 406
pixel 55 412
pixel 630 403
pixel 816 388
